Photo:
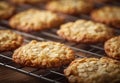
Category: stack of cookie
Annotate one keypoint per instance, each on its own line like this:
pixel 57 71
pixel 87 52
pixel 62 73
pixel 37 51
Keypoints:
pixel 49 54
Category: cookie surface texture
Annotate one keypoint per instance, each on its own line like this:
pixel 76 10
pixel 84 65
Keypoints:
pixel 83 31
pixel 43 54
pixel 93 70
pixel 35 20
pixel 9 40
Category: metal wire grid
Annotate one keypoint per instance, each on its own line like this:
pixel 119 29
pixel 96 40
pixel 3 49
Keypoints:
pixel 54 75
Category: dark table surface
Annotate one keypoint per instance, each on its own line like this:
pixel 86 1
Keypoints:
pixel 11 76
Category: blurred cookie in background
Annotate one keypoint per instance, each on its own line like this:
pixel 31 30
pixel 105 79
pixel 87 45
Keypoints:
pixel 70 6
pixel 108 15
pixel 6 10
pixel 35 20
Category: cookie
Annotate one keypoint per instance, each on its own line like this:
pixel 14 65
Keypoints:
pixel 9 40
pixel 43 54
pixel 112 47
pixel 27 1
pixel 6 10
pixel 107 15
pixel 83 31
pixel 93 70
pixel 35 20
pixel 70 6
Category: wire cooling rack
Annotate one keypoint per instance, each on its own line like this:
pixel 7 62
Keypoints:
pixel 54 75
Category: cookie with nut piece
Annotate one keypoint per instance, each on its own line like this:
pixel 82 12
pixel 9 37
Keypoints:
pixel 93 70
pixel 83 31
pixel 6 10
pixel 43 54
pixel 112 47
pixel 9 40
pixel 70 6
pixel 108 15
pixel 35 20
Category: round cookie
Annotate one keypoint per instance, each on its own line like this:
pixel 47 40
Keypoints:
pixel 35 20
pixel 43 54
pixel 83 31
pixel 27 1
pixel 107 15
pixel 6 10
pixel 9 40
pixel 93 70
pixel 70 6
pixel 112 47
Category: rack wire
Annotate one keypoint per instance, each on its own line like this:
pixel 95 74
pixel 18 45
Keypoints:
pixel 54 75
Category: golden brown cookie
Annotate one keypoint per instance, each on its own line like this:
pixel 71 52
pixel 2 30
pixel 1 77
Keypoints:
pixel 93 70
pixel 70 6
pixel 43 54
pixel 35 20
pixel 107 15
pixel 83 31
pixel 6 10
pixel 112 47
pixel 27 1
pixel 9 40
